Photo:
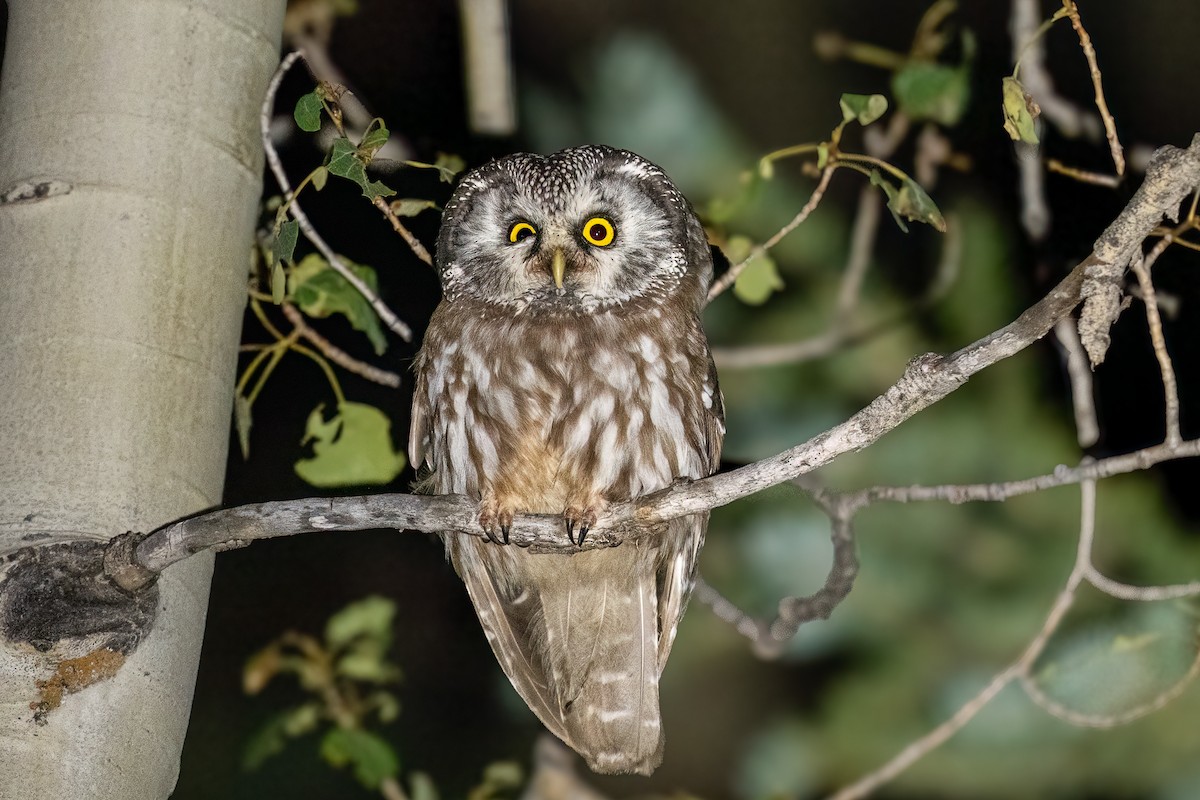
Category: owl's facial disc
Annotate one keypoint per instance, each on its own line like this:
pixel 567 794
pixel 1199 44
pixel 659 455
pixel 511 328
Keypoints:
pixel 585 229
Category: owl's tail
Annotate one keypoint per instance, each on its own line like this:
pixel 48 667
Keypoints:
pixel 579 638
pixel 602 631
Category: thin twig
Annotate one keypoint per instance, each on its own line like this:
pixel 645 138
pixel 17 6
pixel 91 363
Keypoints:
pixel 413 242
pixel 1170 387
pixel 1083 175
pixel 727 280
pixel 1062 476
pixel 1069 715
pixel 1089 52
pixel 1087 427
pixel 769 638
pixel 338 355
pixel 1144 594
pixel 388 317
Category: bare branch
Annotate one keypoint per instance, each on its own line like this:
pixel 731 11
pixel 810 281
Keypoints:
pixel 491 102
pixel 1089 52
pixel 1170 176
pixel 1062 476
pixel 727 280
pixel 769 638
pixel 336 354
pixel 1087 427
pixel 1083 175
pixel 1170 387
pixel 386 314
pixel 412 241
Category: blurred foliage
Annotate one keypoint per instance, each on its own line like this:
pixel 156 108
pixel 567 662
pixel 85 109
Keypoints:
pixel 344 674
pixel 947 595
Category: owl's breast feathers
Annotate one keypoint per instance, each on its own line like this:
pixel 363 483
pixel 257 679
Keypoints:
pixel 535 413
pixel 540 407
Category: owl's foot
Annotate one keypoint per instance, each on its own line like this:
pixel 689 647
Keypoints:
pixel 496 520
pixel 583 516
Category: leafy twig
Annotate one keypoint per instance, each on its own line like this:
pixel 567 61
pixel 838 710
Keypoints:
pixel 388 317
pixel 727 280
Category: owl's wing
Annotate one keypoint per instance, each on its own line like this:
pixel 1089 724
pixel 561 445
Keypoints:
pixel 678 575
pixel 418 429
pixel 507 620
pixel 714 418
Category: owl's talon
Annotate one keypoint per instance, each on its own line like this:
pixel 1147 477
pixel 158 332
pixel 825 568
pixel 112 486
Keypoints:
pixel 570 530
pixel 583 530
pixel 504 530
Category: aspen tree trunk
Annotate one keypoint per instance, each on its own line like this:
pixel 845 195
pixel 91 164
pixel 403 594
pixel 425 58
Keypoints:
pixel 130 171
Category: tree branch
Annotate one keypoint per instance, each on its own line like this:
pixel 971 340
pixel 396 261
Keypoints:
pixel 1172 174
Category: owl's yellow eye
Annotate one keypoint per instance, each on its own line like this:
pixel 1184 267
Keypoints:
pixel 520 231
pixel 598 231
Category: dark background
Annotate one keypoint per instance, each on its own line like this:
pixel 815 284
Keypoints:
pixel 757 72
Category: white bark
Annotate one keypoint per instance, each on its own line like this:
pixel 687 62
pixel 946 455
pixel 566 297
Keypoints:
pixel 129 175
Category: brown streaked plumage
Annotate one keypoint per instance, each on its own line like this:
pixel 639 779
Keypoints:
pixel 545 398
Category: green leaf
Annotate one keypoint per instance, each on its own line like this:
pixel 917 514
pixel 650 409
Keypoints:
pixel 267 741
pixel 939 92
pixel 285 240
pixel 865 108
pixel 760 278
pixel 766 169
pixel 345 161
pixel 351 449
pixel 241 422
pixel 411 206
pixel 911 202
pixel 1019 112
pixel 447 164
pixel 301 719
pixel 386 706
pixel 372 758
pixel 822 155
pixel 308 112
pixel 320 291
pixel 319 176
pixel 421 787
pixel 892 195
pixel 932 91
pixel 261 668
pixel 367 661
pixel 758 281
pixel 370 617
pixel 278 283
pixel 374 139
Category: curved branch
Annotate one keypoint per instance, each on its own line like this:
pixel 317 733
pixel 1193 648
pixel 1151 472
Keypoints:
pixel 1171 175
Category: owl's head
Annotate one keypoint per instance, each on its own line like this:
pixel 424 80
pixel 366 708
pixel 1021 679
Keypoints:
pixel 585 229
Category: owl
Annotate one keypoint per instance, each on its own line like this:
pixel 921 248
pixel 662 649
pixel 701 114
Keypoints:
pixel 566 369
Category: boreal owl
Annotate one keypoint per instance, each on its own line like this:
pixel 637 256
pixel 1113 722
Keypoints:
pixel 565 369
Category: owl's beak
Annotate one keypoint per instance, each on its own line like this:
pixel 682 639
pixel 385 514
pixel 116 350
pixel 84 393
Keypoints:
pixel 558 266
